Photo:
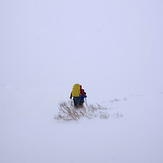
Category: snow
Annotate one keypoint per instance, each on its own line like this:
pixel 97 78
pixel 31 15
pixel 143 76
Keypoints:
pixel 113 49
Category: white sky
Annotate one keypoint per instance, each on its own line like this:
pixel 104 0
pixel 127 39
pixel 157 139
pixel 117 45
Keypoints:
pixel 113 43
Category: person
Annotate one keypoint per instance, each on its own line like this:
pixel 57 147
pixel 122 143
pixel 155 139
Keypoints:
pixel 78 95
pixel 82 96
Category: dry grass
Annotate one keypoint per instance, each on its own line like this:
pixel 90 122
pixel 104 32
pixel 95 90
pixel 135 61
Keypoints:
pixel 67 112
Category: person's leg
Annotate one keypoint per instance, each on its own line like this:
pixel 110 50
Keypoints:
pixel 81 103
pixel 78 101
pixel 75 102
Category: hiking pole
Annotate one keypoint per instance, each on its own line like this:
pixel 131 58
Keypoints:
pixel 71 101
pixel 86 102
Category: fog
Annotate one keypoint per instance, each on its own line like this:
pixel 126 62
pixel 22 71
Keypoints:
pixel 112 48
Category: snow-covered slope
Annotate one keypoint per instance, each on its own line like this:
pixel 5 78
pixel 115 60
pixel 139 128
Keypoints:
pixel 114 49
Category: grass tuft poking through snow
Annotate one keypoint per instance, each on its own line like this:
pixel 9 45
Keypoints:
pixel 67 112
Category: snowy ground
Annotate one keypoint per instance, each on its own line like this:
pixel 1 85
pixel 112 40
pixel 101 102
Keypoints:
pixel 114 49
pixel 30 134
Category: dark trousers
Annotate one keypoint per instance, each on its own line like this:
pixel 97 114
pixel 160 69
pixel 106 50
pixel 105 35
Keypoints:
pixel 76 101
